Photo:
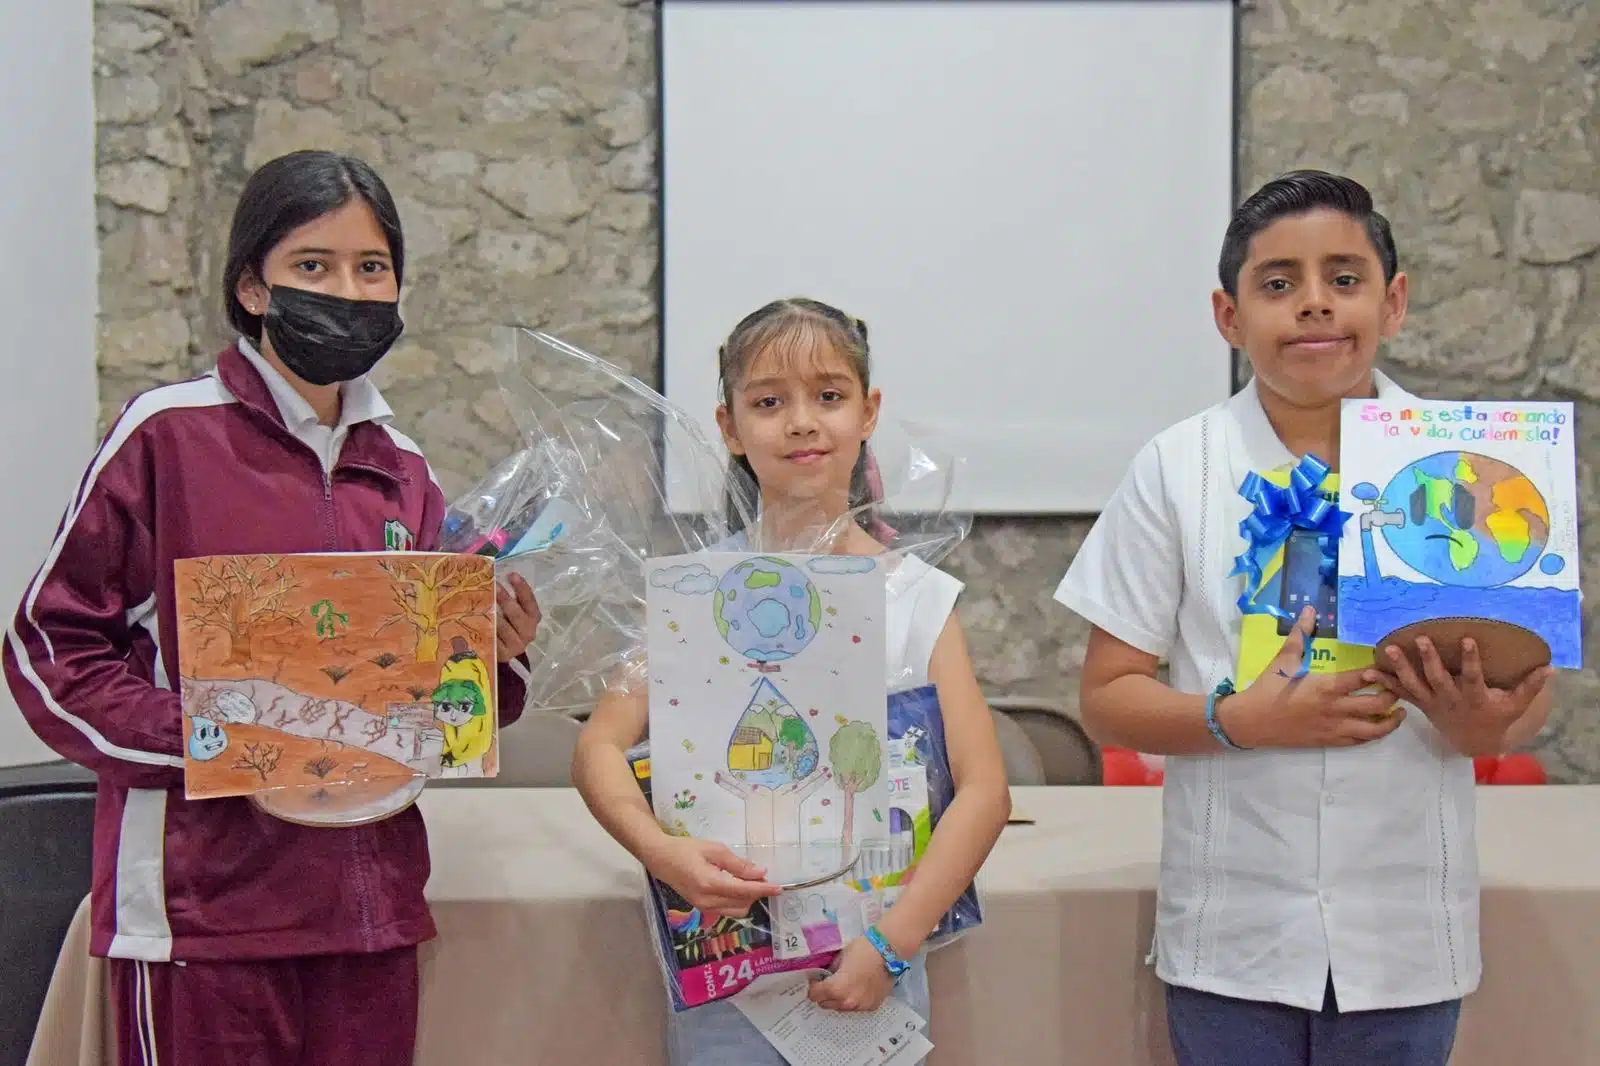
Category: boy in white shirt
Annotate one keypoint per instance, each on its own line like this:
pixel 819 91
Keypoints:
pixel 1318 902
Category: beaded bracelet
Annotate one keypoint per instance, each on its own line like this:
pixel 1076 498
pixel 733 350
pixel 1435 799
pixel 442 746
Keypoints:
pixel 1224 689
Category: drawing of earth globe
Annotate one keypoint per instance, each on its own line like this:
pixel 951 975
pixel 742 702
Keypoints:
pixel 767 609
pixel 1469 520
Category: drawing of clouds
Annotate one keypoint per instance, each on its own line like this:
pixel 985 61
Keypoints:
pixel 693 580
pixel 841 564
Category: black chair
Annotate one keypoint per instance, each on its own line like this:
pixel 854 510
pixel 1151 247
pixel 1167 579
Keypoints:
pixel 46 845
pixel 1068 756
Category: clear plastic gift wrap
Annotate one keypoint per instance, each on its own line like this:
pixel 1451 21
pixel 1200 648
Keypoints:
pixel 580 506
pixel 611 476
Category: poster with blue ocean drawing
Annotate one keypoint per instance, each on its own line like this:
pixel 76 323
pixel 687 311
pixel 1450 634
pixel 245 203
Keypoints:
pixel 1459 510
pixel 768 703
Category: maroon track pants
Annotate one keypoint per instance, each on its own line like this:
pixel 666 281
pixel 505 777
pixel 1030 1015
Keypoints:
pixel 313 1011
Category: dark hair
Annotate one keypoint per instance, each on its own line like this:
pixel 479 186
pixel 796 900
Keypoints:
pixel 793 321
pixel 285 194
pixel 1297 193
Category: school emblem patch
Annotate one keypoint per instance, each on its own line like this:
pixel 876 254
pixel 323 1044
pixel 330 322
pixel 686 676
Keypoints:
pixel 396 537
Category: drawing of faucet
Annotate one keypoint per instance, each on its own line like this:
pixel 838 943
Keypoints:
pixel 1371 519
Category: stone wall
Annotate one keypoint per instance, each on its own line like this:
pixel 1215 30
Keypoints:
pixel 519 138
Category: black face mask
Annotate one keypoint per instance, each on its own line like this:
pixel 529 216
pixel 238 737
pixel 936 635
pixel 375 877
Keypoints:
pixel 328 339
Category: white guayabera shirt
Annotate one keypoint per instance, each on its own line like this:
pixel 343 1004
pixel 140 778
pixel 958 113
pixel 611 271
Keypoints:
pixel 1277 866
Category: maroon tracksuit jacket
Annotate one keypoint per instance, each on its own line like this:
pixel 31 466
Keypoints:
pixel 206 467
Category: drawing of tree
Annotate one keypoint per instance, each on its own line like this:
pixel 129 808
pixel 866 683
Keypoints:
pixel 313 711
pixel 427 593
pixel 857 759
pixel 321 766
pixel 337 728
pixel 262 758
pixel 793 734
pixel 239 594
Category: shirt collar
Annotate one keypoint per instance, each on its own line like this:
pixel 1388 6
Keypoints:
pixel 359 398
pixel 1263 450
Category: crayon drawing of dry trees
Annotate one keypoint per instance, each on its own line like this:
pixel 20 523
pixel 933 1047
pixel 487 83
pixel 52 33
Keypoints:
pixel 375 730
pixel 339 716
pixel 431 593
pixel 313 711
pixel 237 595
pixel 321 766
pixel 262 758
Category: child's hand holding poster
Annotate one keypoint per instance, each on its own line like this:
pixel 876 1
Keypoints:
pixel 1464 515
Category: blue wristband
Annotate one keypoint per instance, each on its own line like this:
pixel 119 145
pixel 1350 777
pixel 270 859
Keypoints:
pixel 891 961
pixel 1224 689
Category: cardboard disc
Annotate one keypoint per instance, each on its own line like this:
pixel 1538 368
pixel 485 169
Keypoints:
pixel 1508 651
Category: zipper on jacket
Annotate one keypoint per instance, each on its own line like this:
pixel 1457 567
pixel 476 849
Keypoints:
pixel 330 537
pixel 360 868
pixel 329 527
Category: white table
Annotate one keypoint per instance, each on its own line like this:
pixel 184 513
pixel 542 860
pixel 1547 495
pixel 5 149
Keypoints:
pixel 542 940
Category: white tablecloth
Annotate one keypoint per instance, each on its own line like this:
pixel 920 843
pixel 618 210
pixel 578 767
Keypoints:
pixel 542 940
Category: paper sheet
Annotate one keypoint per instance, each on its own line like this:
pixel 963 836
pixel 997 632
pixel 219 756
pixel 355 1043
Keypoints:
pixel 1460 510
pixel 809 1035
pixel 768 707
pixel 299 673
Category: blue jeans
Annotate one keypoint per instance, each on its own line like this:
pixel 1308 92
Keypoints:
pixel 716 1034
pixel 1212 1030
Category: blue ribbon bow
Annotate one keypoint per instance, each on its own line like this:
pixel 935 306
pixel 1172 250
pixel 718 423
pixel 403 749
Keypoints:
pixel 1277 511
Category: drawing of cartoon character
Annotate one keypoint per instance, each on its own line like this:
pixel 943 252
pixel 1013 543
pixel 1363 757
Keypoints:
pixel 207 741
pixel 464 664
pixel 461 707
pixel 1457 518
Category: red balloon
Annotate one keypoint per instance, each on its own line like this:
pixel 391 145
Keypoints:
pixel 1520 769
pixel 1483 768
pixel 1119 766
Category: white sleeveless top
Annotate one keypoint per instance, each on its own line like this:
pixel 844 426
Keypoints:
pixel 1277 865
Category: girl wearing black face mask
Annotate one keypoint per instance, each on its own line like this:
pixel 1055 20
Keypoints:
pixel 285 448
pixel 314 268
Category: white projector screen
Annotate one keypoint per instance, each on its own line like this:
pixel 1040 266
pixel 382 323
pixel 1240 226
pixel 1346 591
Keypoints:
pixel 47 297
pixel 1024 201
